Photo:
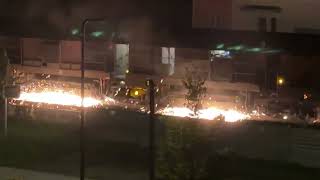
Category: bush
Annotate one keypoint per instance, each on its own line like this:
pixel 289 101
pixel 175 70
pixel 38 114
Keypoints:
pixel 194 82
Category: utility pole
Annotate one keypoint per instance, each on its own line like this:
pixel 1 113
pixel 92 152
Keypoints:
pixel 82 118
pixel 82 114
pixel 4 93
pixel 151 86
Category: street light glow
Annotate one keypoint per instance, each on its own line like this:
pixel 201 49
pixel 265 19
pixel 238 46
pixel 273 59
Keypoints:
pixel 75 31
pixel 281 81
pixel 97 33
pixel 136 93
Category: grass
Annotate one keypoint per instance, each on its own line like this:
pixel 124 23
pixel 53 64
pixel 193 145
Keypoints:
pixel 239 168
pixel 54 147
pixel 113 150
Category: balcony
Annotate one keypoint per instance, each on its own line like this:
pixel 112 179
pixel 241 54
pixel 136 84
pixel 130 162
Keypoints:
pixel 261 5
pixel 261 8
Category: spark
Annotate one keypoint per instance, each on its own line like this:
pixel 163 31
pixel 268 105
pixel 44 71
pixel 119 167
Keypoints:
pixel 59 98
pixel 208 114
pixel 109 100
pixel 47 93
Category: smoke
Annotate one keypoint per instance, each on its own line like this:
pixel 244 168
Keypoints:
pixel 59 16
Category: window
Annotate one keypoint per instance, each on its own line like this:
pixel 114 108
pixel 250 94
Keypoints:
pixel 168 57
pixel 273 24
pixel 262 25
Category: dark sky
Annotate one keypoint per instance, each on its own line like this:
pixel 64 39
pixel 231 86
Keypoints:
pixel 57 16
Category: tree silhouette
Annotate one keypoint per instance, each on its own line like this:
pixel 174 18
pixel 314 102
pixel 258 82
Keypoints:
pixel 194 82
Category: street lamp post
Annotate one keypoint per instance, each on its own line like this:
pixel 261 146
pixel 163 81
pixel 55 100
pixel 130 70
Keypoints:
pixel 151 86
pixel 82 114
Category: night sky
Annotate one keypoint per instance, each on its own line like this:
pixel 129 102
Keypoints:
pixel 56 17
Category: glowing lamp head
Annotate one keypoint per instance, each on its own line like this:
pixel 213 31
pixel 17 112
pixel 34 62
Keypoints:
pixel 136 93
pixel 280 81
pixel 122 83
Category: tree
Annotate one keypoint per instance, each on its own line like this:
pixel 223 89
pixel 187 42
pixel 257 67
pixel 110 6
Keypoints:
pixel 194 82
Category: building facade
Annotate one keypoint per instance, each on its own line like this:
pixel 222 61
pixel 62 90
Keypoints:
pixel 289 16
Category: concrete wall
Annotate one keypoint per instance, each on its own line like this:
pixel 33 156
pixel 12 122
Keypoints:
pixel 31 48
pixel 295 14
pixel 248 20
pixel 97 56
pixel 40 49
pixel 71 51
pixel 212 14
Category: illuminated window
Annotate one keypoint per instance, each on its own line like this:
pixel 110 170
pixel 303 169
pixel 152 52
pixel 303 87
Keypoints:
pixel 168 57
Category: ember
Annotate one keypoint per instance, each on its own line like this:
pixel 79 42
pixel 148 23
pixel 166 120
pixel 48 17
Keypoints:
pixel 208 114
pixel 58 97
pixel 55 93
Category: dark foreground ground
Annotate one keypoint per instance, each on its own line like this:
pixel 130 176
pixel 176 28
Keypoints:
pixel 115 149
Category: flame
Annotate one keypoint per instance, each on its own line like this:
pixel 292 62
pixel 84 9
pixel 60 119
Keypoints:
pixel 208 114
pixel 59 98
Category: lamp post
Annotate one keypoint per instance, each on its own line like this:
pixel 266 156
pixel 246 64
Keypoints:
pixel 82 114
pixel 151 86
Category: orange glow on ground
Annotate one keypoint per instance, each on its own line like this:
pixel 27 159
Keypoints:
pixel 208 114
